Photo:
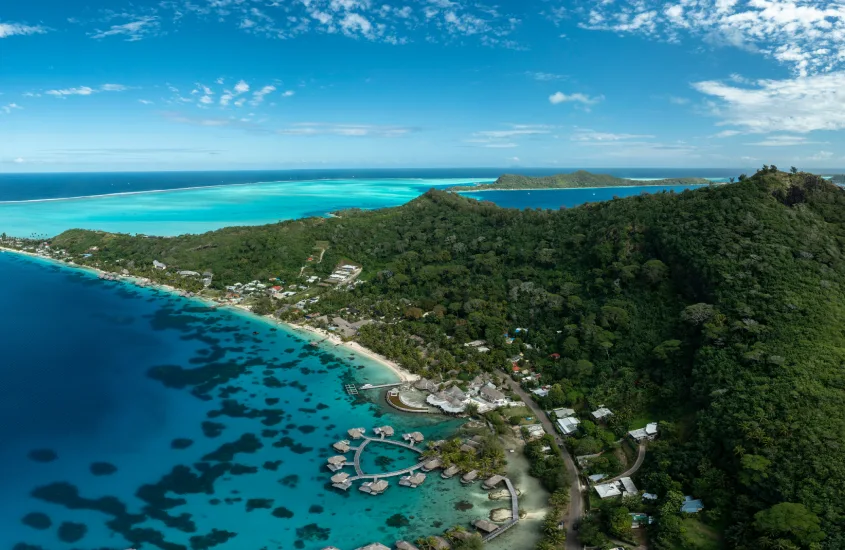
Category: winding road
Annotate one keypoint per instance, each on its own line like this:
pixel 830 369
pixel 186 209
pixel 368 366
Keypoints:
pixel 633 469
pixel 576 498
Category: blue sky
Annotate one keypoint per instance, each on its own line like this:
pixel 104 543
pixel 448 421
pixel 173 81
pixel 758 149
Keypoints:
pixel 241 84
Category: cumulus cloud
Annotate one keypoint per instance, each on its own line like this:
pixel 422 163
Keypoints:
pixel 134 30
pixel 19 29
pixel 241 88
pixel 347 130
pixel 288 93
pixel 808 36
pixel 145 102
pixel 798 105
pixel 10 107
pixel 782 141
pixel 87 90
pixel 258 95
pixel 560 97
pixel 587 135
pixel 506 138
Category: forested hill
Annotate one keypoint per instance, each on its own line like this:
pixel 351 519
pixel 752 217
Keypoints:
pixel 577 179
pixel 719 311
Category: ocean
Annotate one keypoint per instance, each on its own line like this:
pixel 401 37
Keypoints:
pixel 175 203
pixel 109 440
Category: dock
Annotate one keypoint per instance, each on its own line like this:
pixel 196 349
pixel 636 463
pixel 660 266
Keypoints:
pixel 514 514
pixel 377 386
pixel 351 389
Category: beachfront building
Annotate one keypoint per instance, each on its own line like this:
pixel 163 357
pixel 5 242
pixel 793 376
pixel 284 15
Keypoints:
pixel 373 487
pixel 413 481
pixel 158 265
pixel 492 482
pixel 432 464
pixel 568 426
pixel 450 472
pixel 469 477
pixel 490 394
pixel 644 434
pixel 485 526
pixel 424 384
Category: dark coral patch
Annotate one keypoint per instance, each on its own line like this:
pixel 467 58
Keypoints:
pixel 312 531
pixel 282 513
pixel 103 469
pixel 291 481
pixel 247 443
pixel 271 400
pixel 212 429
pixel 37 520
pixel 463 505
pixel 254 503
pixel 307 429
pixel 272 465
pixel 43 455
pixel 295 447
pixel 243 469
pixel 315 509
pixel 181 443
pixel 212 539
pixel 397 520
pixel 25 546
pixel 72 532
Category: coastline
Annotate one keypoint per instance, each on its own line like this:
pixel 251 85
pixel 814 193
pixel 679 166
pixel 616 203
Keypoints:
pixel 402 374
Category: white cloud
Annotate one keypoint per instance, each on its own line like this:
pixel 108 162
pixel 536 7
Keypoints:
pixel 347 130
pixel 241 88
pixel 225 99
pixel 113 88
pixel 544 77
pixel 18 29
pixel 353 24
pixel 133 31
pixel 220 80
pixel 18 160
pixel 674 100
pixel 206 100
pixel 587 135
pixel 782 141
pixel 560 97
pixel 145 102
pixel 10 107
pixel 288 93
pixel 821 155
pixel 513 159
pixel 258 95
pixel 799 105
pixel 806 35
pixel 82 90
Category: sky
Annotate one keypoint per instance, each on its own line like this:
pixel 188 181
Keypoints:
pixel 110 85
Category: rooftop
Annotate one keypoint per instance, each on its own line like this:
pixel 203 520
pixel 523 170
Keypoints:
pixel 568 425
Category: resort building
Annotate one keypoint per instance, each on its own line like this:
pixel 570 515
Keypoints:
pixel 384 431
pixel 341 446
pixel 568 426
pixel 485 526
pixel 335 463
pixel 405 545
pixel 158 265
pixel 440 543
pixel 445 403
pixel 413 481
pixel 450 472
pixel 373 487
pixel 469 477
pixel 374 546
pixel 491 394
pixel 644 434
pixel 356 433
pixel 601 413
pixel 492 482
pixel 424 384
pixel 414 437
pixel 432 464
pixel 341 481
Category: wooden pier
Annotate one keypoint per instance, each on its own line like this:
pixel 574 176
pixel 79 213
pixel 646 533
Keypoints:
pixel 514 514
pixel 371 387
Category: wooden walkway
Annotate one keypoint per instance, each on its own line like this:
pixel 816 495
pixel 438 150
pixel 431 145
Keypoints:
pixel 371 387
pixel 360 449
pixel 514 514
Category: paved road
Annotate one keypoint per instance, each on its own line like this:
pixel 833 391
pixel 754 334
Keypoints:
pixel 633 469
pixel 576 498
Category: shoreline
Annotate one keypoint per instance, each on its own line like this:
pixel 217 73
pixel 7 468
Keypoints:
pixel 402 374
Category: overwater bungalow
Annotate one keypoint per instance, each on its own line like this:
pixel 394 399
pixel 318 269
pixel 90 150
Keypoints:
pixel 341 446
pixel 341 481
pixel 485 526
pixel 493 482
pixel 335 463
pixel 450 472
pixel 432 464
pixel 414 437
pixel 356 433
pixel 469 477
pixel 413 481
pixel 405 545
pixel 330 548
pixel 374 546
pixel 374 487
pixel 384 431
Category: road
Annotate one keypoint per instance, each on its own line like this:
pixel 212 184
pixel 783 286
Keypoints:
pixel 576 498
pixel 633 469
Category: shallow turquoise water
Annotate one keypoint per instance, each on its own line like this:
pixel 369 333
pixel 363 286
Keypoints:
pixel 75 379
pixel 198 210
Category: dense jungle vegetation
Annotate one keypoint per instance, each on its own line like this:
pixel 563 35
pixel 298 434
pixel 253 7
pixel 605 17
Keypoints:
pixel 719 311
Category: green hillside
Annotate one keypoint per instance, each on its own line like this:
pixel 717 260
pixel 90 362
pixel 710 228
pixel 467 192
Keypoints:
pixel 718 311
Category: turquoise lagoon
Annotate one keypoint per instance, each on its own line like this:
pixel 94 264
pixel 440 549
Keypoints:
pixel 189 420
pixel 175 212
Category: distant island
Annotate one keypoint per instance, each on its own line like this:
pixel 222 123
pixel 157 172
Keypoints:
pixel 579 179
